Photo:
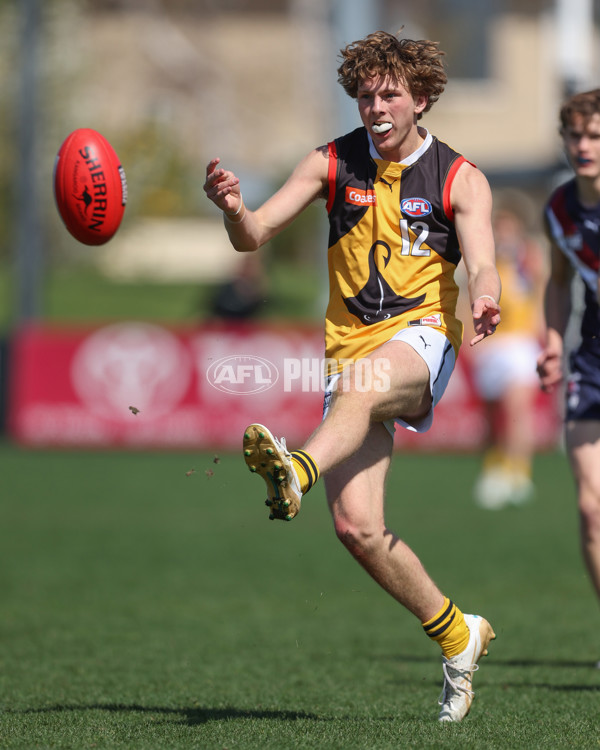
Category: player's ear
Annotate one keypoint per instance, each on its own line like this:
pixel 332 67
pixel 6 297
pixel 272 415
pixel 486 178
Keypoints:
pixel 420 103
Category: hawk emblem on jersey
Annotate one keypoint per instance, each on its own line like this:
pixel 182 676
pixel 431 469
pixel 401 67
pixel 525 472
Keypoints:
pixel 415 207
pixel 377 301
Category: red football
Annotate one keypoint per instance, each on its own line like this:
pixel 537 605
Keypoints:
pixel 89 186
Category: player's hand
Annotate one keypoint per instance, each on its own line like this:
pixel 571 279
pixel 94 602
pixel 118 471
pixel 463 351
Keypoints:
pixel 486 316
pixel 549 369
pixel 222 187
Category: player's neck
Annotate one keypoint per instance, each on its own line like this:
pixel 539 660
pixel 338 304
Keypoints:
pixel 409 146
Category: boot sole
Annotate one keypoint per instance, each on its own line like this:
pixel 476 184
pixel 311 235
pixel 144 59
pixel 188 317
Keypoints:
pixel 263 457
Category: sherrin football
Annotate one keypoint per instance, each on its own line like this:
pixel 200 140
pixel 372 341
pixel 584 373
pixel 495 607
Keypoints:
pixel 90 187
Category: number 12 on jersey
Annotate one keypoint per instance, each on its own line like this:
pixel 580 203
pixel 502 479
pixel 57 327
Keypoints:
pixel 413 237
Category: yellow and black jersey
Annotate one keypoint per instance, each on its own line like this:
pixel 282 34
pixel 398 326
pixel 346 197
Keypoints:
pixel 393 247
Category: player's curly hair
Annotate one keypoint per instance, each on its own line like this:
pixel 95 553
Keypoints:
pixel 418 65
pixel 586 104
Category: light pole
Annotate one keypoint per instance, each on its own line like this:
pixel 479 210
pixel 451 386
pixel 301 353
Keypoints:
pixel 28 249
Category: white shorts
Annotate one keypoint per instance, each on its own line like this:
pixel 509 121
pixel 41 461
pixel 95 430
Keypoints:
pixel 504 361
pixel 438 353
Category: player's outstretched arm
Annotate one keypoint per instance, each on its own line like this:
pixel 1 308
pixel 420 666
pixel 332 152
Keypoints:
pixel 249 230
pixel 471 199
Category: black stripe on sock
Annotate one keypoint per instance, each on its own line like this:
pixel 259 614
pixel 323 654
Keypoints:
pixel 430 627
pixel 308 465
pixel 443 629
pixel 312 465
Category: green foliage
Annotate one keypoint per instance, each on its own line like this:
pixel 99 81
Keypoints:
pixel 144 606
pixel 77 293
pixel 162 180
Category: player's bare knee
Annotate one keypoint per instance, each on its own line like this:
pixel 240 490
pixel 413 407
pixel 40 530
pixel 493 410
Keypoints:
pixel 358 538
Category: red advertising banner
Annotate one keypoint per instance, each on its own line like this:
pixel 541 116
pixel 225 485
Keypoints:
pixel 135 384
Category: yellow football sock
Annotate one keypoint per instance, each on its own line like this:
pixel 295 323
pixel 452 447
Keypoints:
pixel 449 629
pixel 493 459
pixel 306 469
pixel 519 466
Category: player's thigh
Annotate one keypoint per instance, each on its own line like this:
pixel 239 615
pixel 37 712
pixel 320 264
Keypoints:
pixel 407 391
pixel 583 447
pixel 355 489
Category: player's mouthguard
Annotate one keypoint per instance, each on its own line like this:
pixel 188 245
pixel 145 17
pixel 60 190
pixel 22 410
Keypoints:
pixel 382 127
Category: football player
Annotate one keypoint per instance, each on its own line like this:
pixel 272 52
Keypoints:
pixel 573 227
pixel 404 209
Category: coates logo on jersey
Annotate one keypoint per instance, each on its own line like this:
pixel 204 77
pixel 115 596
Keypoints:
pixel 415 207
pixel 359 197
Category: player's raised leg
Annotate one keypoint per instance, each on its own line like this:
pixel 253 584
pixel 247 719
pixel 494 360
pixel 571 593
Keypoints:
pixel 343 431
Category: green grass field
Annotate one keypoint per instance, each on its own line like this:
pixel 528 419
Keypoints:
pixel 79 294
pixel 145 608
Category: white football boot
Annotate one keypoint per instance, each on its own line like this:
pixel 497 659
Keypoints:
pixel 493 490
pixel 457 693
pixel 269 457
pixel 496 489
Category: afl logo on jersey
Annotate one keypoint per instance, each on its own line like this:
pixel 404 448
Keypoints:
pixel 415 206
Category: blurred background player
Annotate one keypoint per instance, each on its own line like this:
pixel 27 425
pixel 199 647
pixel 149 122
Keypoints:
pixel 504 371
pixel 243 295
pixel 573 227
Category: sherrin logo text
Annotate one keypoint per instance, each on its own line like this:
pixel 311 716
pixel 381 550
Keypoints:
pixel 359 197
pixel 99 197
pixel 415 206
